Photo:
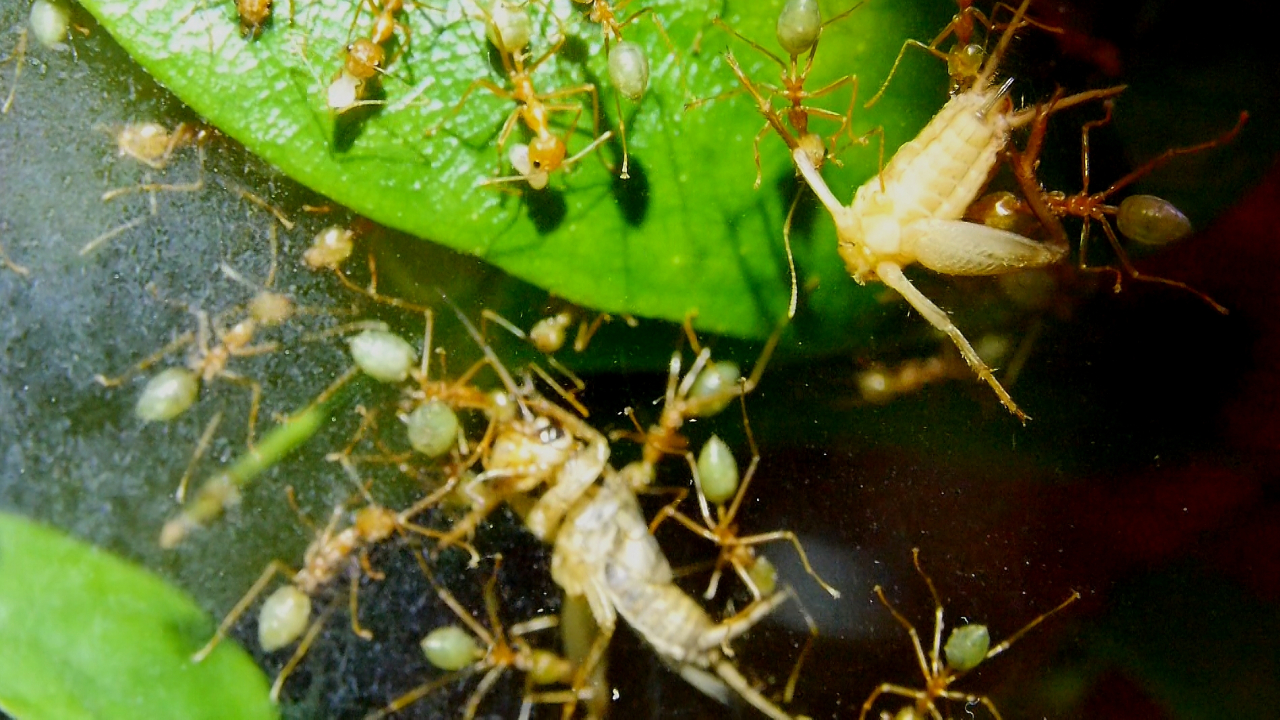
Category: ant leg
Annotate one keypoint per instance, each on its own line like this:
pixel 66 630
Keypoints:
pixel 404 47
pixel 795 542
pixel 1074 596
pixel 182 340
pixel 763 105
pixel 255 402
pixel 1023 165
pixel 1172 153
pixel 111 234
pixel 937 608
pixel 1134 273
pixel 497 90
pixel 931 49
pixel 577 110
pixel 625 173
pixel 19 54
pixel 273 567
pixel 891 689
pixel 355 18
pixel 911 630
pixel 762 49
pixel 791 262
pixel 298 654
pixel 586 331
pixel 354 607
pixel 699 102
pixel 992 25
pixel 202 445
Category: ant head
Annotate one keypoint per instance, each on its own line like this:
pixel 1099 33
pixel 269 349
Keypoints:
pixel 253 16
pixel 519 156
pixel 964 64
pixel 545 154
pixel 364 57
pixel 375 523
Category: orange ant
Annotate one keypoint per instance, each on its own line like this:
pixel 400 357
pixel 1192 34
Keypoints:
pixel 964 60
pixel 546 152
pixel 1156 220
pixel 705 390
pixel 365 57
pixel 967 647
pixel 254 15
pixel 607 15
pixel 800 28
pixel 285 613
pixel 452 649
pixel 213 344
pixel 627 63
pixel 716 480
pixel 428 409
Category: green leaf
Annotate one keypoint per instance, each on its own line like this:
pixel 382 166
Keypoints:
pixel 88 635
pixel 686 233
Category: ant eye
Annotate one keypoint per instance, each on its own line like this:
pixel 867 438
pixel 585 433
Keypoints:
pixel 551 434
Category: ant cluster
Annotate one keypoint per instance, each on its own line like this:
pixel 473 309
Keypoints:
pixel 510 30
pixel 488 437
pixel 472 443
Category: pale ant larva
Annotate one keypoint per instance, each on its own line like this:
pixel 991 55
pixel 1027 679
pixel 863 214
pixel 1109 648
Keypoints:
pixel 330 248
pixel 967 647
pixel 455 650
pixel 286 613
pixel 50 22
pixel 965 59
pixel 153 144
pixel 704 390
pixel 1143 218
pixel 545 153
pixel 912 210
pixel 716 481
pixel 549 334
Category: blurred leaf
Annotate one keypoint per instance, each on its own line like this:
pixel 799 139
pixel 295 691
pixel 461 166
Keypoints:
pixel 687 232
pixel 87 635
